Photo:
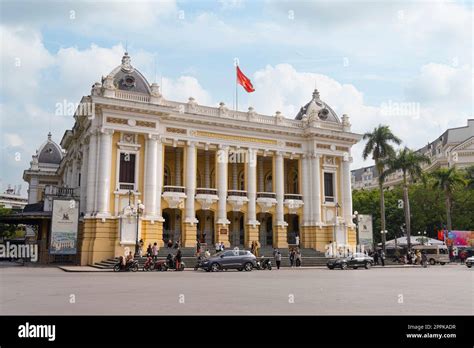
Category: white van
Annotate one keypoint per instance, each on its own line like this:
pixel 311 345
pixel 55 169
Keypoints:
pixel 434 253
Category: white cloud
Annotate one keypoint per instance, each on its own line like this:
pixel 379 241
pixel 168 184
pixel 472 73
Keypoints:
pixel 13 140
pixel 184 87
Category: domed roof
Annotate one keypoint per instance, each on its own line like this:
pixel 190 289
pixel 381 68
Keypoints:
pixel 127 78
pixel 316 107
pixel 50 152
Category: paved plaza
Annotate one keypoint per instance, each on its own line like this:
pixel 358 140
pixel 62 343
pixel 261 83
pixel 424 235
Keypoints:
pixel 436 290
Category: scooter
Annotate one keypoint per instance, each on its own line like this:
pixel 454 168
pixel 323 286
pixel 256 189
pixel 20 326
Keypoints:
pixel 169 263
pixel 129 266
pixel 264 263
pixel 149 264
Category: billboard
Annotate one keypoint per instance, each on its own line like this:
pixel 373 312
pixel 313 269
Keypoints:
pixel 64 226
pixel 366 235
pixel 457 238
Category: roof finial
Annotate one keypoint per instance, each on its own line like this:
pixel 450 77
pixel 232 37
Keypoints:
pixel 316 94
pixel 49 136
pixel 126 65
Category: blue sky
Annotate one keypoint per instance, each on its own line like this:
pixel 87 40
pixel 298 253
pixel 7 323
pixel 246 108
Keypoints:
pixel 361 55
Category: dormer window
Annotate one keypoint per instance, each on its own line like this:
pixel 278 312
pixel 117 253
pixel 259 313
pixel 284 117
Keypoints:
pixel 128 81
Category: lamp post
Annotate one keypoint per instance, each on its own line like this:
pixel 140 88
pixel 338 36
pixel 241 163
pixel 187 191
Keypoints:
pixel 335 223
pixel 383 233
pixel 356 217
pixel 138 211
pixel 422 237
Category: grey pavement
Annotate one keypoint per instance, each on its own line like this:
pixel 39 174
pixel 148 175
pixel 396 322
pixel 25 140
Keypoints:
pixel 436 290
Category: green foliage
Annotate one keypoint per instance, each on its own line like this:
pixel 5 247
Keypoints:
pixel 428 210
pixel 7 230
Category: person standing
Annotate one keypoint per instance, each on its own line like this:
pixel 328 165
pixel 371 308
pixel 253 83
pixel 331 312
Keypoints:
pixel 297 241
pixel 154 251
pixel 292 257
pixel 277 256
pixel 178 259
pixel 376 258
pixel 257 248
pixel 198 248
pixel 462 256
pixel 424 259
pixel 382 258
pixel 149 250
pixel 222 247
pixel 298 257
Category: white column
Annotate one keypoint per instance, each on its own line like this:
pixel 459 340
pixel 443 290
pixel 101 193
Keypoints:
pixel 159 181
pixel 91 173
pixel 261 179
pixel 252 186
pixel 316 178
pixel 279 185
pixel 306 190
pixel 177 166
pixel 222 163
pixel 190 182
pixel 84 175
pixel 33 191
pixel 103 192
pixel 207 176
pixel 346 188
pixel 151 176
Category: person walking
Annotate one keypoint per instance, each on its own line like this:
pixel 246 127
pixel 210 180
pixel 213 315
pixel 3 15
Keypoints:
pixel 198 248
pixel 418 257
pixel 257 249
pixel 299 257
pixel 277 256
pixel 154 251
pixel 178 259
pixel 463 256
pixel 424 259
pixel 149 251
pixel 382 258
pixel 376 258
pixel 222 247
pixel 292 257
pixel 297 241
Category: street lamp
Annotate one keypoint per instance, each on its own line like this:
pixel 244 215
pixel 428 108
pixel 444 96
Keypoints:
pixel 131 210
pixel 422 237
pixel 383 233
pixel 356 217
pixel 335 223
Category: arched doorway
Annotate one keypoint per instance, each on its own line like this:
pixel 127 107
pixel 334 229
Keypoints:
pixel 293 227
pixel 171 225
pixel 236 229
pixel 205 227
pixel 265 229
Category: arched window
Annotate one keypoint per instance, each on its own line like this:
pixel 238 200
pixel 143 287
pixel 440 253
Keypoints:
pixel 268 182
pixel 166 176
pixel 293 182
pixel 242 181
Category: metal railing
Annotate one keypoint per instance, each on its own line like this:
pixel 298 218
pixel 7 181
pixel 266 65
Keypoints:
pixel 179 189
pixel 294 196
pixel 206 191
pixel 266 195
pixel 237 193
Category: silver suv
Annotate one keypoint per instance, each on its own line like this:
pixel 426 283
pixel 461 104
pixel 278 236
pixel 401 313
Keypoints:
pixel 229 259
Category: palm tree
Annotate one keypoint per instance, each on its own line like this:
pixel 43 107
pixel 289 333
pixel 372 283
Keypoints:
pixel 378 145
pixel 448 180
pixel 409 162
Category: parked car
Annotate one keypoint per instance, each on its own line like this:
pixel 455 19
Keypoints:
pixel 355 261
pixel 229 259
pixel 470 261
pixel 434 253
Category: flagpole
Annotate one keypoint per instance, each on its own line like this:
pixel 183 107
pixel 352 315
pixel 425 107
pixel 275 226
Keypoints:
pixel 236 89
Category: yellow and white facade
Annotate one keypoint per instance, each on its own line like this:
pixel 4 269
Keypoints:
pixel 204 173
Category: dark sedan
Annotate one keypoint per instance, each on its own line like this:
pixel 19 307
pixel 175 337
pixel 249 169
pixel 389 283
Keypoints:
pixel 354 261
pixel 229 259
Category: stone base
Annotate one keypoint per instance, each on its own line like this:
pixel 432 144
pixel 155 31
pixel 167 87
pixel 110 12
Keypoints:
pixel 98 240
pixel 189 235
pixel 280 239
pixel 251 234
pixel 319 238
pixel 152 233
pixel 351 236
pixel 222 237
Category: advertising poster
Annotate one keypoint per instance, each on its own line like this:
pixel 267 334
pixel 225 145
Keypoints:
pixel 64 225
pixel 366 235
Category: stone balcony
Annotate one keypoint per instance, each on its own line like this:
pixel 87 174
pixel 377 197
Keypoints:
pixel 206 197
pixel 237 198
pixel 293 201
pixel 266 200
pixel 175 196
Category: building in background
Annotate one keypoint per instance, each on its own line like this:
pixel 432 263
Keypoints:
pixel 12 199
pixel 203 173
pixel 454 148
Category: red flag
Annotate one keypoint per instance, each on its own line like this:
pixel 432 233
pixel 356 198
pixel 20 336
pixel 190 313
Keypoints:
pixel 244 81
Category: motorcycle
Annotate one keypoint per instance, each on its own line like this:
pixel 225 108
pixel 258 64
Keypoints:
pixel 149 264
pixel 264 263
pixel 169 263
pixel 129 266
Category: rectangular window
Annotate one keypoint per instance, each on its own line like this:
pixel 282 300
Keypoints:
pixel 127 168
pixel 329 187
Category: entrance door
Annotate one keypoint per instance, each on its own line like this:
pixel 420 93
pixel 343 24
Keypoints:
pixel 266 229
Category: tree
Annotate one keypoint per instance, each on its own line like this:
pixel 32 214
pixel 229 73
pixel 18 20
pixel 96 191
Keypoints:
pixel 448 180
pixel 409 162
pixel 379 147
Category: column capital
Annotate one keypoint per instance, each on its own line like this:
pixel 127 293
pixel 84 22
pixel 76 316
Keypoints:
pixel 191 144
pixel 107 131
pixel 156 137
pixel 315 155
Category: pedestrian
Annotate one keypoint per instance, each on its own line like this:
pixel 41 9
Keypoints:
pixel 418 257
pixel 149 250
pixel 424 259
pixel 462 256
pixel 292 257
pixel 140 247
pixel 298 257
pixel 198 248
pixel 278 258
pixel 222 246
pixel 297 241
pixel 218 247
pixel 257 249
pixel 252 248
pixel 376 258
pixel 382 257
pixel 207 254
pixel 154 251
pixel 170 244
pixel 178 259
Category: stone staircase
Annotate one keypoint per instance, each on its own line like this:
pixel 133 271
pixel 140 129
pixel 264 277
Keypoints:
pixel 311 257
